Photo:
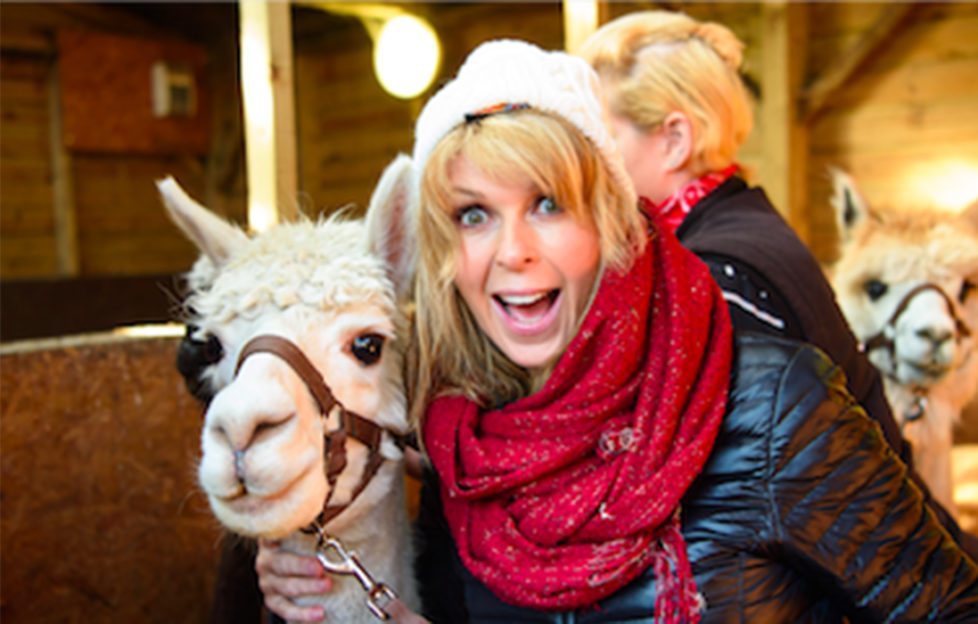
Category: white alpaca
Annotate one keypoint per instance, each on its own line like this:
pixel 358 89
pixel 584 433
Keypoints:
pixel 906 282
pixel 331 289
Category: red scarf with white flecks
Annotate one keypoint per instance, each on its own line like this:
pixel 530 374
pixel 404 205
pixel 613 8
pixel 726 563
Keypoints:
pixel 673 209
pixel 559 499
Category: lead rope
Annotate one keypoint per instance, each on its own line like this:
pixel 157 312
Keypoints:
pixel 382 601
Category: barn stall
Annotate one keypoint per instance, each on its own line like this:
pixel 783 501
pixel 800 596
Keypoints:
pixel 101 515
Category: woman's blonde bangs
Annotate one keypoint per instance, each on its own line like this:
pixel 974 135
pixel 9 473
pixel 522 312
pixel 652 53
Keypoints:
pixel 518 145
pixel 555 156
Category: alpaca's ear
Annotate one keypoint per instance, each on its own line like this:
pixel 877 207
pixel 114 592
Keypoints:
pixel 389 225
pixel 212 235
pixel 850 208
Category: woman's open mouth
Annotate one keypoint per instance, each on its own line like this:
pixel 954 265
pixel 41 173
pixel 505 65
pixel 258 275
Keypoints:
pixel 527 312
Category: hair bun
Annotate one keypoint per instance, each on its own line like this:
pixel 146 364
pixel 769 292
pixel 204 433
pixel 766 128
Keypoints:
pixel 723 42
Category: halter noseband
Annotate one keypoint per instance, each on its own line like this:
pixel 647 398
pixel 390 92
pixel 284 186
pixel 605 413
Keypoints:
pixel 881 340
pixel 351 424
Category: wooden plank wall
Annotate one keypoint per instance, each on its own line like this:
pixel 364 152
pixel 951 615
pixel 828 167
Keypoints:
pixel 26 215
pixel 106 94
pixel 908 113
pixel 119 225
pixel 906 108
pixel 349 128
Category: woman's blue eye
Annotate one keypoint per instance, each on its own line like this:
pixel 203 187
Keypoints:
pixel 471 216
pixel 547 205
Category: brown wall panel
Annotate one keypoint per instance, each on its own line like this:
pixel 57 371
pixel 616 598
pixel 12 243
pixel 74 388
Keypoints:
pixel 102 520
pixel 107 97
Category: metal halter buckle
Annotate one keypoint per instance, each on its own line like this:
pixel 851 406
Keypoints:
pixel 379 595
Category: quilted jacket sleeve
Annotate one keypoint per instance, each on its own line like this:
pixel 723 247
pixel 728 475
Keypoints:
pixel 843 507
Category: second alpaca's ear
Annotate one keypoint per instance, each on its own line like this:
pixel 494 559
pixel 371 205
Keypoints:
pixel 390 228
pixel 850 207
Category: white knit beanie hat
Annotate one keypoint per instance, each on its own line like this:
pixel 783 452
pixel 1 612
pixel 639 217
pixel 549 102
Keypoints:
pixel 516 72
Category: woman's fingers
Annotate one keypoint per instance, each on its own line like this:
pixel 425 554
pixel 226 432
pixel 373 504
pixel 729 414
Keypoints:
pixel 283 576
pixel 288 610
pixel 272 561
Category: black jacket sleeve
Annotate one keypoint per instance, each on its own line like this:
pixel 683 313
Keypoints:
pixel 844 507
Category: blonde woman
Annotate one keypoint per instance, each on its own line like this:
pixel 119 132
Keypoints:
pixel 603 447
pixel 680 112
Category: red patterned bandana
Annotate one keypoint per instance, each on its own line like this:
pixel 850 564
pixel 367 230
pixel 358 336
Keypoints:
pixel 673 209
pixel 561 498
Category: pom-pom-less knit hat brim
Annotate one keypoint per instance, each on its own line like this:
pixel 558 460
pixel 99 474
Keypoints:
pixel 515 72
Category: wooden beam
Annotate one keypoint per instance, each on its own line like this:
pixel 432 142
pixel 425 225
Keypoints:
pixel 823 87
pixel 62 185
pixel 783 172
pixel 268 96
pixel 581 18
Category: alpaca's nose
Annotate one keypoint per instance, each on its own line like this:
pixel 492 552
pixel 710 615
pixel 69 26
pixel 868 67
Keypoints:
pixel 239 470
pixel 935 335
pixel 246 412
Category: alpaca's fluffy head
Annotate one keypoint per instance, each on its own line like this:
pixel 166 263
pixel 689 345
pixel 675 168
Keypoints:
pixel 328 287
pixel 320 267
pixel 317 285
pixel 884 255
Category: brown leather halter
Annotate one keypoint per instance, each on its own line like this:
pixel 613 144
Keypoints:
pixel 381 599
pixel 879 340
pixel 351 424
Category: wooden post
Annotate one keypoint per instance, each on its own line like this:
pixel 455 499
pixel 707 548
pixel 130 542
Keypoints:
pixel 269 111
pixel 62 185
pixel 783 172
pixel 581 18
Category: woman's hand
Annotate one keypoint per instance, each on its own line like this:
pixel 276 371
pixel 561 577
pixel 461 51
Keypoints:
pixel 283 576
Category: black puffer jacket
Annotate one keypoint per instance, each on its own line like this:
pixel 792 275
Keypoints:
pixel 802 514
pixel 768 275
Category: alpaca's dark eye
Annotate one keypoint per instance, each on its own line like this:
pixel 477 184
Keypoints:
pixel 194 356
pixel 368 348
pixel 967 288
pixel 213 351
pixel 875 289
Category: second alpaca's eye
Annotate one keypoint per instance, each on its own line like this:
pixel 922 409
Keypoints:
pixel 875 289
pixel 967 288
pixel 368 348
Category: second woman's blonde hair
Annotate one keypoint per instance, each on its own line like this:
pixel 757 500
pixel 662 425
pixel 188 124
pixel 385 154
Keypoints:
pixel 655 62
pixel 453 354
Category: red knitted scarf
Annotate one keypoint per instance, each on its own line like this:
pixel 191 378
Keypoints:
pixel 559 499
pixel 673 209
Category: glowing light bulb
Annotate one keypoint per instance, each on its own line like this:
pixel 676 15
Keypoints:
pixel 951 184
pixel 406 56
